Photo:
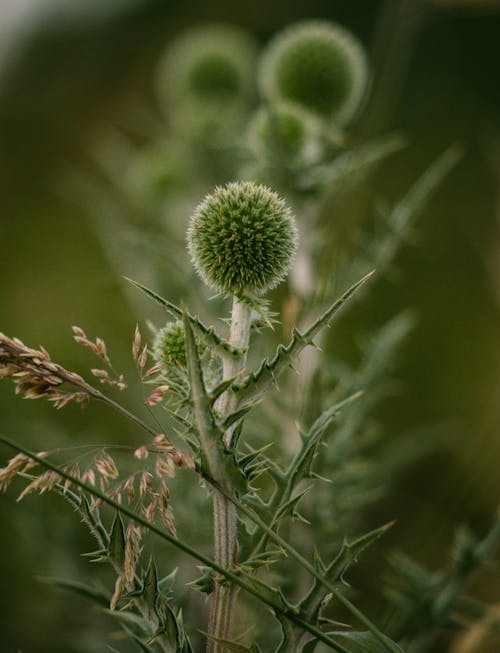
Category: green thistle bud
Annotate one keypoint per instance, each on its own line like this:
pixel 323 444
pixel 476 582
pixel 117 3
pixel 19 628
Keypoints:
pixel 211 63
pixel 318 65
pixel 169 347
pixel 242 238
pixel 284 131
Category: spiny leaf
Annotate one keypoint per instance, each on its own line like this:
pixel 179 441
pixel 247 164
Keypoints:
pixel 237 415
pixel 353 161
pixel 150 583
pixel 289 506
pixel 298 469
pixel 405 212
pixel 268 557
pixel 143 647
pixel 220 464
pixel 116 549
pixel 219 389
pixel 253 456
pixel 93 593
pixel 166 584
pixel 274 594
pixel 131 620
pixel 301 465
pixel 206 582
pixel 206 333
pixel 208 434
pixel 351 550
pixel 254 385
pixel 93 520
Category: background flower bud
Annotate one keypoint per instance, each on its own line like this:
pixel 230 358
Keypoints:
pixel 318 65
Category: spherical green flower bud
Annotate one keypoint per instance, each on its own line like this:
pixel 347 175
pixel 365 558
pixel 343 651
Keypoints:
pixel 285 132
pixel 169 347
pixel 318 65
pixel 242 238
pixel 210 63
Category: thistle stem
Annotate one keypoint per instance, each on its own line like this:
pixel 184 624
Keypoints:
pixel 225 517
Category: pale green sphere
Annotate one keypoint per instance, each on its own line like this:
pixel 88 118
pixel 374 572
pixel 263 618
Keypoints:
pixel 284 132
pixel 242 238
pixel 169 347
pixel 212 63
pixel 318 65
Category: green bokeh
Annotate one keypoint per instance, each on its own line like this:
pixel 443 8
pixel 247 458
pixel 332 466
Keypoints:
pixel 67 81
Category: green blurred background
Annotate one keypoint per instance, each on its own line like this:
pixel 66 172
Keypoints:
pixel 71 71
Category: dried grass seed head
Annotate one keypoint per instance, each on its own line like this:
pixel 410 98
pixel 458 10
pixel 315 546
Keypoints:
pixel 320 66
pixel 242 238
pixel 35 375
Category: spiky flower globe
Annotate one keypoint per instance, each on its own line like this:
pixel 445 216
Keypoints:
pixel 242 238
pixel 169 347
pixel 212 63
pixel 318 65
pixel 285 132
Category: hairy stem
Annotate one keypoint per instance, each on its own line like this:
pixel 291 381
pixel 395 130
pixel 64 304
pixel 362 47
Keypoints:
pixel 225 517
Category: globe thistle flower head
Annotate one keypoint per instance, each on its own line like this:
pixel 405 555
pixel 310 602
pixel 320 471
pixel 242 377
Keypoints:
pixel 242 238
pixel 169 347
pixel 286 132
pixel 318 65
pixel 212 63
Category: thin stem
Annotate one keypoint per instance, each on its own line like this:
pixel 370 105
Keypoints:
pixel 225 516
pixel 97 394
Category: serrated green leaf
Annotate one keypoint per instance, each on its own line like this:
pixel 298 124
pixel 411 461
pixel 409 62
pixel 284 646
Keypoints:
pixel 255 384
pixel 298 469
pixel 206 333
pixel 351 550
pixel 218 463
pixel 116 548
